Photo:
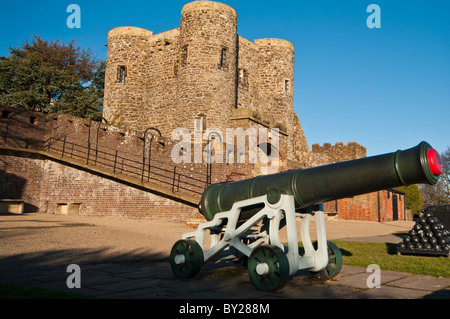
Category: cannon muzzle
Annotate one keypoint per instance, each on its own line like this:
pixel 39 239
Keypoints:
pixel 418 165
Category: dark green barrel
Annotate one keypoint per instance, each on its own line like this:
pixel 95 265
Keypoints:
pixel 420 164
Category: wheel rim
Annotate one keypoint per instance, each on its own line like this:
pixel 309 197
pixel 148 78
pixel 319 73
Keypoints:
pixel 186 258
pixel 334 264
pixel 268 268
pixel 334 261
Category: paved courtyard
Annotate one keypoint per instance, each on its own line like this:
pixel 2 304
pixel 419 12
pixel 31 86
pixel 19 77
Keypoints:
pixel 128 259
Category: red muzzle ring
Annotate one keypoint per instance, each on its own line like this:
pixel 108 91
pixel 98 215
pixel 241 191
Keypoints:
pixel 434 162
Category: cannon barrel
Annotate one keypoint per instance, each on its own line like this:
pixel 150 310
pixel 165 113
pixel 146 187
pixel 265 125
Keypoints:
pixel 418 165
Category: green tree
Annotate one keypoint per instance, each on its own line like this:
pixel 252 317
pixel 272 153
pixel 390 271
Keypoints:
pixel 51 76
pixel 439 194
pixel 413 198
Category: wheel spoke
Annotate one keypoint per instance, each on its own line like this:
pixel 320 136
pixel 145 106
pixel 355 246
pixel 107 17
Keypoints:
pixel 192 261
pixel 278 268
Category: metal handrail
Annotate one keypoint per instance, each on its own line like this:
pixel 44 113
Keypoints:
pixel 176 179
pixel 116 160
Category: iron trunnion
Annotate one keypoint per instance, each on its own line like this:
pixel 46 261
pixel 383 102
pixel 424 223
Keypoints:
pixel 244 218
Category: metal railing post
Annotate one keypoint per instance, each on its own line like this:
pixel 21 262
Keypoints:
pixel 96 144
pixel 89 142
pixel 149 152
pixel 64 146
pixel 143 167
pixel 115 161
pixel 6 132
pixel 209 157
pixel 174 174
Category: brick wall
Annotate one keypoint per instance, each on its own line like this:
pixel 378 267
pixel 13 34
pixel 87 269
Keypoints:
pixel 55 132
pixel 19 183
pixel 22 128
pixel 376 206
pixel 47 183
pixel 44 183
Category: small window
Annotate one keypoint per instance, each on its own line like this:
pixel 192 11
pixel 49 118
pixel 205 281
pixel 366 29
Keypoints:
pixel 223 59
pixel 184 56
pixel 121 73
pixel 287 86
pixel 5 114
pixel 33 120
pixel 200 123
pixel 243 78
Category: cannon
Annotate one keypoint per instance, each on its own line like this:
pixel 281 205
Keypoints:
pixel 244 218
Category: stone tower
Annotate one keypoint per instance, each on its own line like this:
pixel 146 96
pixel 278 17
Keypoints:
pixel 125 85
pixel 203 70
pixel 207 65
pixel 276 72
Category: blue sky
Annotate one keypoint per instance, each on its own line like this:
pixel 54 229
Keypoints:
pixel 385 88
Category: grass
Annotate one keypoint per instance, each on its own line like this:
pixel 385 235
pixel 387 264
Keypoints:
pixel 385 255
pixel 363 254
pixel 8 291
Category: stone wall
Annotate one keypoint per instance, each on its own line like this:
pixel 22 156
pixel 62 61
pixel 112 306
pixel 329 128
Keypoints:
pixel 125 76
pixel 340 152
pixel 201 70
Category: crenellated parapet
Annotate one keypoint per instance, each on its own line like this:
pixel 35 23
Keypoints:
pixel 340 152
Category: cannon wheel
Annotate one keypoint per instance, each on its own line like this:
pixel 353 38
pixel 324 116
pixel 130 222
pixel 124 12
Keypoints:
pixel 334 265
pixel 268 268
pixel 186 258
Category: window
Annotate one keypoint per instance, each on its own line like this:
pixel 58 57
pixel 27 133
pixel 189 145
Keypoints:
pixel 5 114
pixel 200 123
pixel 223 59
pixel 33 120
pixel 121 73
pixel 243 78
pixel 287 86
pixel 184 56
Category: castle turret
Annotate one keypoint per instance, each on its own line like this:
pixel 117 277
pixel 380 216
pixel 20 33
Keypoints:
pixel 276 89
pixel 276 73
pixel 125 86
pixel 207 63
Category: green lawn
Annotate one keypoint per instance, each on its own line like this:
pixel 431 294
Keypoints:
pixel 385 255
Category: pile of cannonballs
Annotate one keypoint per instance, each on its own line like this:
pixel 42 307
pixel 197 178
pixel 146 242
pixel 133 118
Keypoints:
pixel 428 236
